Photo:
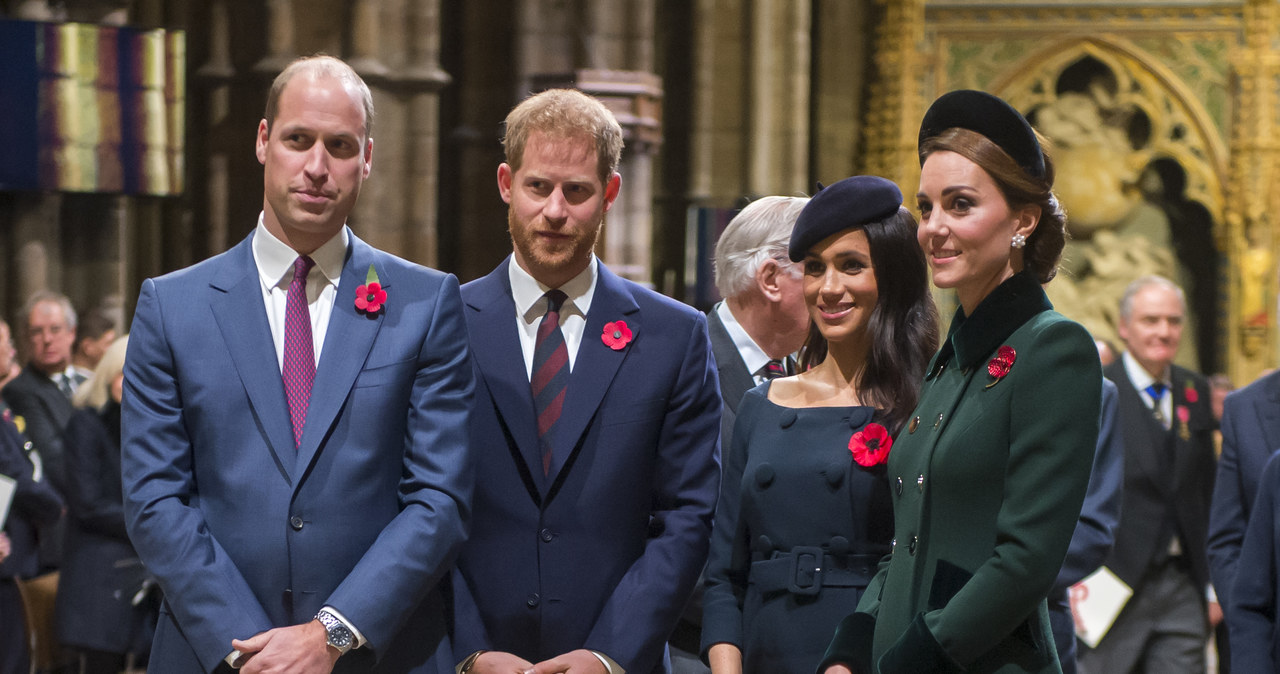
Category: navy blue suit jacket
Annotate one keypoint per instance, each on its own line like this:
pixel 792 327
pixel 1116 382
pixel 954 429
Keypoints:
pixel 1255 593
pixel 603 552
pixel 244 532
pixel 1250 435
pixel 1095 532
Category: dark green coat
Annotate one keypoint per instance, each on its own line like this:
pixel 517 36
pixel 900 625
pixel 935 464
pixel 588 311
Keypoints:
pixel 988 478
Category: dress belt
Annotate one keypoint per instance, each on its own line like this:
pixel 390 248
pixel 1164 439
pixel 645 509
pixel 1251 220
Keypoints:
pixel 805 570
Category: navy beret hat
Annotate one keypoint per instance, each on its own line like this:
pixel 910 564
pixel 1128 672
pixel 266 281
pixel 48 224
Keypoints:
pixel 990 116
pixel 840 206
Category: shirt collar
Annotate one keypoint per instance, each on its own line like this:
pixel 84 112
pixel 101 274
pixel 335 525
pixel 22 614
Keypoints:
pixel 752 355
pixel 527 291
pixel 1011 304
pixel 274 258
pixel 1139 376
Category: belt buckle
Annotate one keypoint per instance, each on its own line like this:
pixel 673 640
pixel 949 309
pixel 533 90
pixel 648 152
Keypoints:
pixel 806 570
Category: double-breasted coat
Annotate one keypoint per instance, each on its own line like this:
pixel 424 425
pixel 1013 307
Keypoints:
pixel 987 480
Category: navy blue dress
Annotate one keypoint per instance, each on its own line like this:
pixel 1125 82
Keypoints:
pixel 798 533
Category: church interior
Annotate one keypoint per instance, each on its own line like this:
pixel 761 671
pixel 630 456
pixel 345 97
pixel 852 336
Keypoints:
pixel 129 125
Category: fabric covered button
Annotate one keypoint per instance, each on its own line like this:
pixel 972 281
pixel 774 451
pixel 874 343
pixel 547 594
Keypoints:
pixel 762 544
pixel 835 473
pixel 787 419
pixel 839 545
pixel 764 475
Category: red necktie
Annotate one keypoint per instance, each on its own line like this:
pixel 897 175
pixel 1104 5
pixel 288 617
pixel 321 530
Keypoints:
pixel 299 371
pixel 550 374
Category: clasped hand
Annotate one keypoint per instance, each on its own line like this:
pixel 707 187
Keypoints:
pixel 581 661
pixel 299 649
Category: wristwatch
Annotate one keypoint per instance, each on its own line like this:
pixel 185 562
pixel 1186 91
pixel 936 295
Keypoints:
pixel 340 636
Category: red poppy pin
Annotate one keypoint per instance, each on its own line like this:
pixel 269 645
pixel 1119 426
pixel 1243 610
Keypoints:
pixel 1190 393
pixel 616 335
pixel 1001 363
pixel 370 297
pixel 870 446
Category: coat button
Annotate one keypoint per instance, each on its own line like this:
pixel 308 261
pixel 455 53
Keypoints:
pixel 920 482
pixel 915 423
pixel 911 547
pixel 764 476
pixel 788 418
pixel 532 600
pixel 938 422
pixel 296 523
pixel 898 486
pixel 546 535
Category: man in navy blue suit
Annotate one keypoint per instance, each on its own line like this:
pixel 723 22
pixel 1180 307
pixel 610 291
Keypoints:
pixel 1250 435
pixel 596 424
pixel 295 420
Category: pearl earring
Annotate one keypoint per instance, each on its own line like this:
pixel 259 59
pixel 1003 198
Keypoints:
pixel 1019 241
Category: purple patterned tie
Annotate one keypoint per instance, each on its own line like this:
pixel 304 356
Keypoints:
pixel 299 351
pixel 550 374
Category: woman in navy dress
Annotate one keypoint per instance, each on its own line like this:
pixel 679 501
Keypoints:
pixel 805 512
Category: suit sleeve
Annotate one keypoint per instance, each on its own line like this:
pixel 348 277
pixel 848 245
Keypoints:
pixel 640 613
pixel 417 548
pixel 202 586
pixel 1227 514
pixel 91 500
pixel 1251 615
pixel 730 558
pixel 1100 515
pixel 1053 432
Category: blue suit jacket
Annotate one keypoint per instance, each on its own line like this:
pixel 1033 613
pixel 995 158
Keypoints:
pixel 1255 593
pixel 1250 435
pixel 603 552
pixel 244 532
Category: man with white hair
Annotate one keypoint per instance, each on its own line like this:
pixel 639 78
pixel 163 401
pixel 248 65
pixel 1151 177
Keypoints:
pixel 754 331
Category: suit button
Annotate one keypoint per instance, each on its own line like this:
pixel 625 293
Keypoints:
pixel 911 547
pixel 296 523
pixel 546 535
pixel 532 600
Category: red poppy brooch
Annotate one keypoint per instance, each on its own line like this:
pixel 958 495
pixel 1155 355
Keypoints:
pixel 870 446
pixel 1001 363
pixel 1190 393
pixel 616 335
pixel 370 297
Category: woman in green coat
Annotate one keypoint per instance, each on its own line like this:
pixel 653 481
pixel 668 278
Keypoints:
pixel 990 472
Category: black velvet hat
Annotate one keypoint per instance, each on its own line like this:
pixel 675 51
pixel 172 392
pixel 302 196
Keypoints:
pixel 843 205
pixel 990 116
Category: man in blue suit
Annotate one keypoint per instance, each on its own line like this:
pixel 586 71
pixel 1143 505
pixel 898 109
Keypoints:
pixel 597 421
pixel 295 458
pixel 1250 435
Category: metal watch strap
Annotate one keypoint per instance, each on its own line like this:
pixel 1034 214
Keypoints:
pixel 338 634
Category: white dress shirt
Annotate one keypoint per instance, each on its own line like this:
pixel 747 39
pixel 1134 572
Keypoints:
pixel 274 260
pixel 531 306
pixel 1142 379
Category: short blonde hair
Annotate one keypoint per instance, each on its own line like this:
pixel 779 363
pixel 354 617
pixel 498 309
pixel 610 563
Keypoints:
pixel 565 114
pixel 95 392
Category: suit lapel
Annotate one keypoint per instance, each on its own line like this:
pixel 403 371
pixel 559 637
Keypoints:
pixel 595 366
pixel 242 319
pixel 347 342
pixel 495 346
pixel 735 379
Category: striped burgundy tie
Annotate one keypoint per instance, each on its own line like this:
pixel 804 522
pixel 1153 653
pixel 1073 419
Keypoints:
pixel 299 371
pixel 550 374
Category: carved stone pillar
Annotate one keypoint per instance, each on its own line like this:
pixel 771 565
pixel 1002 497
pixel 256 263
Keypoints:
pixel 894 118
pixel 280 45
pixel 1252 199
pixel 778 135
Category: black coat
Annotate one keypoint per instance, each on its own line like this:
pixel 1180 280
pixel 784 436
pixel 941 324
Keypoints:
pixel 101 572
pixel 34 503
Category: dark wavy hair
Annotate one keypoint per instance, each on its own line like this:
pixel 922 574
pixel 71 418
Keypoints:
pixel 1044 247
pixel 903 325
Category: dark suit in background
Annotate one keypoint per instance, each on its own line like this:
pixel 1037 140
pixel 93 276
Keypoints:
pixel 1250 435
pixel 603 551
pixel 1095 533
pixel 34 504
pixel 1168 482
pixel 735 379
pixel 46 409
pixel 1255 593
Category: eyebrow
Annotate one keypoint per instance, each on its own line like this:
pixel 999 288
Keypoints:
pixel 947 190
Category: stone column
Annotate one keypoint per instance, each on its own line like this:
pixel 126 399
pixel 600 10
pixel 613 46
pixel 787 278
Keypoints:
pixel 893 121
